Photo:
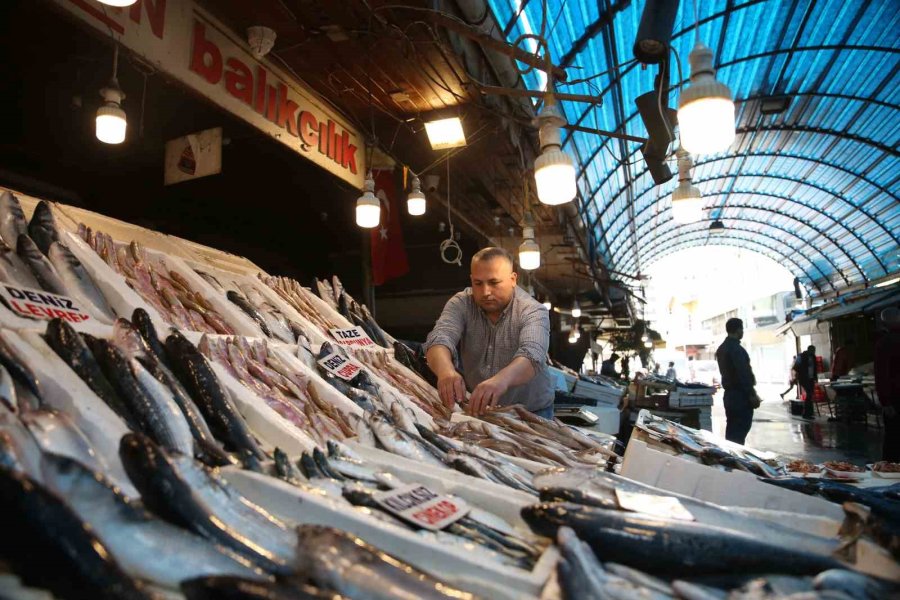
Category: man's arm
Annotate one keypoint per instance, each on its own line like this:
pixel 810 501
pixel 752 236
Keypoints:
pixel 440 352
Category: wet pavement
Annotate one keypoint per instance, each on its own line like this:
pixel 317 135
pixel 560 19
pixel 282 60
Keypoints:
pixel 775 430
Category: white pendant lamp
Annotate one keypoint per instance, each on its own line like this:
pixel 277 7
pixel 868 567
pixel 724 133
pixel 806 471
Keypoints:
pixel 576 310
pixel 547 304
pixel 415 202
pixel 111 123
pixel 648 344
pixel 705 108
pixel 687 203
pixel 529 251
pixel 368 207
pixel 117 2
pixel 572 337
pixel 554 171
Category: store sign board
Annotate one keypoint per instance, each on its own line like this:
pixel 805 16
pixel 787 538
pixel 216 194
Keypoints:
pixel 340 366
pixel 38 304
pixel 422 507
pixel 352 337
pixel 182 39
pixel 193 156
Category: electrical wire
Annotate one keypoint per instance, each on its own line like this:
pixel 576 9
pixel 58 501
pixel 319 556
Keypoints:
pixel 450 245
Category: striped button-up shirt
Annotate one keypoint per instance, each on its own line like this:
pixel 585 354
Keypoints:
pixel 484 347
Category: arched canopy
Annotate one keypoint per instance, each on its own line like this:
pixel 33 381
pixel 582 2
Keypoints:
pixel 816 187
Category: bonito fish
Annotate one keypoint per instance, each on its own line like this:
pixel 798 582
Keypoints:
pixel 79 282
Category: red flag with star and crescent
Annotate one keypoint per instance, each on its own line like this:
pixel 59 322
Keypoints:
pixel 388 252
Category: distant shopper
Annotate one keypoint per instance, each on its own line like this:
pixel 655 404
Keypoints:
pixel 887 380
pixel 625 367
pixel 842 361
pixel 738 380
pixel 806 377
pixel 792 379
pixel 670 372
pixel 608 366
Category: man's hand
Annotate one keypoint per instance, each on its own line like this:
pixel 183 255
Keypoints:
pixel 451 388
pixel 487 395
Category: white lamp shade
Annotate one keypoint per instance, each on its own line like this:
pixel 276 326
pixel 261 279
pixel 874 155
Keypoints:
pixel 547 304
pixel 529 255
pixel 117 2
pixel 572 338
pixel 648 344
pixel 445 133
pixel 111 124
pixel 368 211
pixel 687 210
pixel 554 176
pixel 576 312
pixel 415 204
pixel 706 125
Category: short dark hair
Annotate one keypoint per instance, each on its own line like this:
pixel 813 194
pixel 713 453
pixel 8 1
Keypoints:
pixel 613 356
pixel 492 252
pixel 733 324
pixel 671 363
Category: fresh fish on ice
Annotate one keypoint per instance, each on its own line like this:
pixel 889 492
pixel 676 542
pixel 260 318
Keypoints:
pixel 41 268
pixel 12 219
pixel 13 270
pixel 42 228
pixel 56 434
pixel 79 282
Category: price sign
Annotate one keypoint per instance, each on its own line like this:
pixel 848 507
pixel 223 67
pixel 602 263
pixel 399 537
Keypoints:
pixel 340 366
pixel 659 506
pixel 38 304
pixel 422 507
pixel 355 336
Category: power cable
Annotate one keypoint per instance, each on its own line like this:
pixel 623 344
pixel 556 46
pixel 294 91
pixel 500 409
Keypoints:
pixel 450 245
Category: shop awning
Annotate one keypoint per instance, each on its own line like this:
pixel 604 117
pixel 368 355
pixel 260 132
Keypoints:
pixel 870 302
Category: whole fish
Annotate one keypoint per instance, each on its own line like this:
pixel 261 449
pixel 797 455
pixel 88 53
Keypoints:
pixel 146 547
pixel 212 399
pixel 392 439
pixel 56 434
pixel 58 541
pixel 581 575
pixel 669 546
pixel 144 325
pixel 275 320
pixel 182 491
pixel 355 569
pixel 855 585
pixel 403 417
pixel 13 270
pixel 79 282
pixel 19 451
pixel 12 219
pixel 70 346
pixel 244 304
pixel 28 389
pixel 40 267
pixel 8 396
pixel 168 423
pixel 222 587
pixel 42 228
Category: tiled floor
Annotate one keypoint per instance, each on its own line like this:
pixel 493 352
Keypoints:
pixel 776 431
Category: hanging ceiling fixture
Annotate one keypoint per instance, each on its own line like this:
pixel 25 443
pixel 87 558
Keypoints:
pixel 547 304
pixel 118 3
pixel 415 202
pixel 529 251
pixel 576 310
pixel 554 171
pixel 444 134
pixel 717 227
pixel 111 122
pixel 368 207
pixel 648 344
pixel 687 203
pixel 705 108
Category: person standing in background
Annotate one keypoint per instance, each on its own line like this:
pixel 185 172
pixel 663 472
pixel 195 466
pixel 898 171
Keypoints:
pixel 842 361
pixel 608 366
pixel 887 380
pixel 670 372
pixel 738 381
pixel 807 376
pixel 792 381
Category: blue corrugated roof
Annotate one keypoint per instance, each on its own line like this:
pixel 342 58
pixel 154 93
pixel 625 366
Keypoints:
pixel 815 188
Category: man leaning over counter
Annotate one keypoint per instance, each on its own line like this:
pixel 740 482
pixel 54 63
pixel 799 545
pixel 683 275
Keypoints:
pixel 500 336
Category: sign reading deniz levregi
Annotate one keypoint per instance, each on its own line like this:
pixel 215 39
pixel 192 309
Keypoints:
pixel 340 366
pixel 184 40
pixel 354 336
pixel 38 304
pixel 420 506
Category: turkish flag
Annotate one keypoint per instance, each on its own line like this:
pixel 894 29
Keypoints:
pixel 388 252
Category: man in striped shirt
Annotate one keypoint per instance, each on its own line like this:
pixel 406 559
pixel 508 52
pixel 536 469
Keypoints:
pixel 499 335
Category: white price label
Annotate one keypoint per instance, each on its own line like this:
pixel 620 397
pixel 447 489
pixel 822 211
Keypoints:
pixel 38 304
pixel 340 366
pixel 420 506
pixel 659 506
pixel 355 336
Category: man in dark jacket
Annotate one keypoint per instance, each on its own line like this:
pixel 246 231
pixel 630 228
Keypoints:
pixel 806 377
pixel 738 382
pixel 887 380
pixel 608 366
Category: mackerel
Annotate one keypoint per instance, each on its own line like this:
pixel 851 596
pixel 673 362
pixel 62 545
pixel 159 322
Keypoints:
pixel 79 282
pixel 41 268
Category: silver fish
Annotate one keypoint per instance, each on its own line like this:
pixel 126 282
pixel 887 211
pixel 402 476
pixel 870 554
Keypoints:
pixel 146 547
pixel 79 282
pixel 56 434
pixel 403 417
pixel 13 270
pixel 395 442
pixel 364 433
pixel 8 390
pixel 169 426
pixel 273 317
pixel 42 227
pixel 40 267
pixel 12 219
pixel 18 450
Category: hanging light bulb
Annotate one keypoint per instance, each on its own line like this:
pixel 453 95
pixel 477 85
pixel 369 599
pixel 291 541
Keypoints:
pixel 118 2
pixel 648 344
pixel 368 207
pixel 415 202
pixel 111 122
pixel 529 251
pixel 572 338
pixel 554 171
pixel 687 203
pixel 644 338
pixel 705 108
pixel 547 304
pixel 717 227
pixel 576 310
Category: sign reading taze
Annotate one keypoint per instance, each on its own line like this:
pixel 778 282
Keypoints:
pixel 354 336
pixel 182 39
pixel 38 304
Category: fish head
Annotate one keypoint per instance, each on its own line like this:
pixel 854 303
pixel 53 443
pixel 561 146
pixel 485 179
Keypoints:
pixel 128 338
pixel 26 247
pixel 543 518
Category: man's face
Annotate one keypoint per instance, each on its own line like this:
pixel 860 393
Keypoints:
pixel 739 333
pixel 493 284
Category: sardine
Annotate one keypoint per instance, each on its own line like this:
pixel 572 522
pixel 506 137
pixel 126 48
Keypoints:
pixel 12 219
pixel 234 588
pixel 212 399
pixel 144 325
pixel 42 228
pixel 13 270
pixel 237 299
pixel 58 541
pixel 70 346
pixel 79 282
pixel 182 491
pixel 41 268
pixel 668 546
pixel 355 569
